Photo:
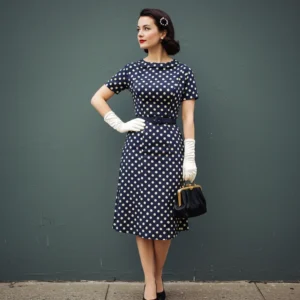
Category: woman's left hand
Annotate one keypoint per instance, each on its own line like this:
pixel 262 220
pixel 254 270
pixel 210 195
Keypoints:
pixel 189 170
pixel 189 164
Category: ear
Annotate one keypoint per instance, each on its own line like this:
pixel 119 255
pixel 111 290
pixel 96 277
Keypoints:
pixel 164 33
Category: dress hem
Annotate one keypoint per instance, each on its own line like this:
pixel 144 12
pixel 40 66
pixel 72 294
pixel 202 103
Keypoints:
pixel 149 238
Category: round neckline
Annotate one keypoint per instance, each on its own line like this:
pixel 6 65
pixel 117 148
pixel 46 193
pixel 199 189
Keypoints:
pixel 158 63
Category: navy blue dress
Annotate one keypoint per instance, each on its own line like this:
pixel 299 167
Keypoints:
pixel 151 162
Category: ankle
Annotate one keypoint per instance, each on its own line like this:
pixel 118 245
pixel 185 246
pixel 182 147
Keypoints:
pixel 159 285
pixel 150 280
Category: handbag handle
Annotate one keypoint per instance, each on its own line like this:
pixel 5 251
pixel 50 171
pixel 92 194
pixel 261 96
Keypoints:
pixel 184 184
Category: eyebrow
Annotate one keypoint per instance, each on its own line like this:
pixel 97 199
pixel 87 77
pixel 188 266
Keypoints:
pixel 143 25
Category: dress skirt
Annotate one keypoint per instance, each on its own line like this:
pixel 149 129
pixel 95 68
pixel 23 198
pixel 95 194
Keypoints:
pixel 149 177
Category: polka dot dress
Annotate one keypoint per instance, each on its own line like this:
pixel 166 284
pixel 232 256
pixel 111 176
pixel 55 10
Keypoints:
pixel 151 162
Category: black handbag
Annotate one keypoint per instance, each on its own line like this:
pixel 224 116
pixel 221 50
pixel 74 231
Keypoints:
pixel 189 201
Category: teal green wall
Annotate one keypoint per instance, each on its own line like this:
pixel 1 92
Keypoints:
pixel 59 159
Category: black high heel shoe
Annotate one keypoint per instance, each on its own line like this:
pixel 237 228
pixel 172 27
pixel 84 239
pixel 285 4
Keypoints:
pixel 161 295
pixel 144 294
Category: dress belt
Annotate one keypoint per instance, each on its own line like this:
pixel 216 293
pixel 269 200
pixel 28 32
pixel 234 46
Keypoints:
pixel 159 120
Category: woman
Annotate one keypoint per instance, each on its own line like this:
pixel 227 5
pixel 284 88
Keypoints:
pixel 155 157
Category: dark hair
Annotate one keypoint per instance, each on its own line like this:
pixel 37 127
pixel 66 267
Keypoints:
pixel 170 45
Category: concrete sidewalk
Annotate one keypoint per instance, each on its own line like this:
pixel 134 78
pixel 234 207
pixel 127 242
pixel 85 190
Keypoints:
pixel 103 290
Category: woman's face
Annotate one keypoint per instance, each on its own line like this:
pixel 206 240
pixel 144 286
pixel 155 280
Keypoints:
pixel 148 32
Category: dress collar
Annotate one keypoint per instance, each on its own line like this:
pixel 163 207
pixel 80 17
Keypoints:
pixel 158 65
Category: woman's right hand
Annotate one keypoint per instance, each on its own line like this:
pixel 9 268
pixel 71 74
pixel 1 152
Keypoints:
pixel 136 124
pixel 115 122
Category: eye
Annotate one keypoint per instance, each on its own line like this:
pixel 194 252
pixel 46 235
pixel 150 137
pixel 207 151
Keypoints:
pixel 146 28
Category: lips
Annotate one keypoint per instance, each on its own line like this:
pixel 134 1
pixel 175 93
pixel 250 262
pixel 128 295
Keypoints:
pixel 142 41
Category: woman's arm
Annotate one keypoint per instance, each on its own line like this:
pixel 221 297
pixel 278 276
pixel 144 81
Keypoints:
pixel 187 110
pixel 100 98
pixel 189 163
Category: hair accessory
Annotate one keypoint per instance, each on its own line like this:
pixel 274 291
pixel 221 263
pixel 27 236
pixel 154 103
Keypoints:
pixel 163 21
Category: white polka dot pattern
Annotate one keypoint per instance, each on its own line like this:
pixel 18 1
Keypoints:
pixel 151 162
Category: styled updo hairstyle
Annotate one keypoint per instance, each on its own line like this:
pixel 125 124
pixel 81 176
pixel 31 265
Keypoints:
pixel 170 45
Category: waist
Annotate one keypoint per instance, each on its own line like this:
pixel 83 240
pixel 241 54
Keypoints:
pixel 158 119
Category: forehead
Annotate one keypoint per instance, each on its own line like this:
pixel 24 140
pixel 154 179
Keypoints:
pixel 145 20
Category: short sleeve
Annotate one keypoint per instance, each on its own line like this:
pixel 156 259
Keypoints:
pixel 190 87
pixel 119 81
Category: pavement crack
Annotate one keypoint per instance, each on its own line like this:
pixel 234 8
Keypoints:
pixel 105 298
pixel 259 291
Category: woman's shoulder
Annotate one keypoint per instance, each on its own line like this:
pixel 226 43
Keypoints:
pixel 131 64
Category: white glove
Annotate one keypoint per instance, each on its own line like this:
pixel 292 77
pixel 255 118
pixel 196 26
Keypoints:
pixel 189 164
pixel 115 122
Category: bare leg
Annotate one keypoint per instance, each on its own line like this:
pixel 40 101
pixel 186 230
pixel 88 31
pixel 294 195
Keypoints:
pixel 161 248
pixel 146 252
